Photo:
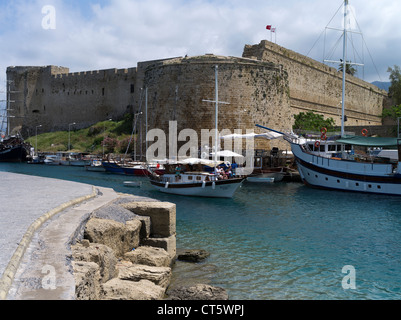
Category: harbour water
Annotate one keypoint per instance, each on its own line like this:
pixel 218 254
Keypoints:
pixel 277 241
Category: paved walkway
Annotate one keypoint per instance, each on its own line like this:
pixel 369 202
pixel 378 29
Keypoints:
pixel 27 203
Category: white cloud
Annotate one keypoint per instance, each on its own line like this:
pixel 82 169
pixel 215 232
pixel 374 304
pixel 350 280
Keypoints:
pixel 119 33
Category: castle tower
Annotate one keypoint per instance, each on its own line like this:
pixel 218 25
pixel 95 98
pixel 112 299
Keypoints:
pixel 257 93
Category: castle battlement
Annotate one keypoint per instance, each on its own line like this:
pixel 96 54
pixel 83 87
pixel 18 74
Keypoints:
pixel 103 72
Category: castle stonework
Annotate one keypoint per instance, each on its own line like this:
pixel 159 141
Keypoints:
pixel 54 98
pixel 315 86
pixel 256 92
pixel 267 86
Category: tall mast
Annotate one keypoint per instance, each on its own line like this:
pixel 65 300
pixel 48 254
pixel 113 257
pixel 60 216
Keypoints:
pixel 216 102
pixel 344 65
pixel 216 70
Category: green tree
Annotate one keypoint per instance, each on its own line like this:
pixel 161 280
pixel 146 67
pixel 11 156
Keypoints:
pixel 394 93
pixel 395 88
pixel 393 112
pixel 349 69
pixel 312 121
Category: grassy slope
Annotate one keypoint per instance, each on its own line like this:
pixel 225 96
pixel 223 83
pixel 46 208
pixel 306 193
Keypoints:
pixel 89 139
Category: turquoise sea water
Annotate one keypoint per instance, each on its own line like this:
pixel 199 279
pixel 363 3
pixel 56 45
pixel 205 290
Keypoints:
pixel 278 241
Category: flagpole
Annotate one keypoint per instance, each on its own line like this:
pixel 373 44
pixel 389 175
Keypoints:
pixel 272 30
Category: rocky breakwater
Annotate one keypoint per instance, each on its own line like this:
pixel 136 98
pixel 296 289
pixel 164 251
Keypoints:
pixel 126 252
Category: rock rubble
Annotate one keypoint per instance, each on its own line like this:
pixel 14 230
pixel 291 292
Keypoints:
pixel 130 258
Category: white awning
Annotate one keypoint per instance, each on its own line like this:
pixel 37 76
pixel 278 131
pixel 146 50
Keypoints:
pixel 267 135
pixel 227 153
pixel 205 162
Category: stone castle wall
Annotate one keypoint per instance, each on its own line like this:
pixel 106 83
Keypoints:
pixel 267 86
pixel 52 97
pixel 257 93
pixel 317 87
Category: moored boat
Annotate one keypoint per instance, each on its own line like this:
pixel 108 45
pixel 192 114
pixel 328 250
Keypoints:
pixel 336 164
pixel 260 178
pixel 199 184
pixel 14 149
pixel 95 165
pixel 52 159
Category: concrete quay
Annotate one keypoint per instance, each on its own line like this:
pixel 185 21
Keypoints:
pixel 56 207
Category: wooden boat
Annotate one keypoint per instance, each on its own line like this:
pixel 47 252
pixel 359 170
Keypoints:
pixel 133 184
pixel 95 165
pixel 260 178
pixel 199 184
pixel 14 149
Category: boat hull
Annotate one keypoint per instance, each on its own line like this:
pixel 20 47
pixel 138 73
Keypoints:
pixel 95 168
pixel 218 189
pixel 112 167
pixel 260 179
pixel 129 170
pixel 344 175
pixel 13 154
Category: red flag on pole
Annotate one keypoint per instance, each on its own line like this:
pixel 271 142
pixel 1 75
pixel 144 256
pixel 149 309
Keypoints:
pixel 268 27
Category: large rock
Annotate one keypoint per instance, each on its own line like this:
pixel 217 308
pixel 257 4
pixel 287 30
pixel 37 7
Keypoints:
pixel 100 254
pixel 169 244
pixel 87 280
pixel 158 275
pixel 117 289
pixel 118 213
pixel 198 292
pixel 192 255
pixel 149 256
pixel 116 235
pixel 162 216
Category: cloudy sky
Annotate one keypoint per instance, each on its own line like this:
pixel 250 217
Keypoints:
pixel 100 34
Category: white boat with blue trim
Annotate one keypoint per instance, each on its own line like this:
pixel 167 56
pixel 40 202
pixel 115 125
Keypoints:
pixel 336 165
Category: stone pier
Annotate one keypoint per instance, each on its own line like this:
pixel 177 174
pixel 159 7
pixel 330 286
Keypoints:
pixel 63 240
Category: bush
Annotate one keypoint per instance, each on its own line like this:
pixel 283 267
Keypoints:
pixel 312 121
pixel 123 144
pixel 109 144
pixel 95 130
pixel 125 126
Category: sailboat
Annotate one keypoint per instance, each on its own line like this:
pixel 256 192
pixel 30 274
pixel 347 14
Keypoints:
pixel 346 170
pixel 197 182
pixel 13 148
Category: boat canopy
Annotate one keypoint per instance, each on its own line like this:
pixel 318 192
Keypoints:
pixel 265 135
pixel 205 162
pixel 228 153
pixel 368 141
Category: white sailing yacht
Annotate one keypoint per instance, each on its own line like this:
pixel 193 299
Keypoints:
pixel 346 170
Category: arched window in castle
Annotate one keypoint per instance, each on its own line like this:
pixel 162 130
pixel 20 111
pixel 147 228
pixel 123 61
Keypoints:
pixel 132 88
pixel 102 91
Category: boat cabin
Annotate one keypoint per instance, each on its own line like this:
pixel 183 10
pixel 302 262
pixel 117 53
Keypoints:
pixel 328 149
pixel 188 177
